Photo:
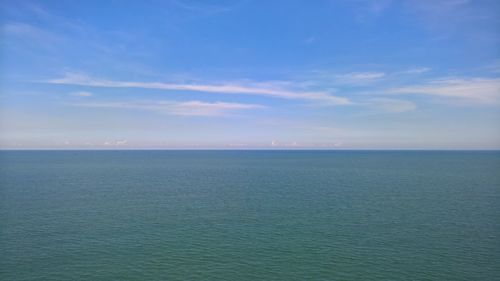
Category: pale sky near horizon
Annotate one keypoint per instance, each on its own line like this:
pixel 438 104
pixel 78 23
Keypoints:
pixel 361 74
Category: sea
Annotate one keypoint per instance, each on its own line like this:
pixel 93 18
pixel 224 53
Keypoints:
pixel 249 215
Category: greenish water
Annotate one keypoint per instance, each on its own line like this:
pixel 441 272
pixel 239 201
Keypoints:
pixel 249 215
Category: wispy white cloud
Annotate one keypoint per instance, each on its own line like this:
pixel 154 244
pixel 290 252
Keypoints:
pixel 359 77
pixel 392 105
pixel 115 142
pixel 416 70
pixel 378 6
pixel 31 34
pixel 187 108
pixel 493 67
pixel 472 90
pixel 82 94
pixel 37 10
pixel 474 20
pixel 336 81
pixel 200 8
pixel 368 11
pixel 310 40
pixel 263 89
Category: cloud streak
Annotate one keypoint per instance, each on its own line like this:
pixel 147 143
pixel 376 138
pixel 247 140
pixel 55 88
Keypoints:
pixel 30 35
pixel 82 94
pixel 267 89
pixel 187 108
pixel 472 90
pixel 392 105
pixel 416 70
pixel 359 77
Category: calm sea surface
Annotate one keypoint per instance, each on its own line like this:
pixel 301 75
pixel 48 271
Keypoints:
pixel 249 215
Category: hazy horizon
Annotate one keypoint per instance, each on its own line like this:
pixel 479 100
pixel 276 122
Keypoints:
pixel 335 75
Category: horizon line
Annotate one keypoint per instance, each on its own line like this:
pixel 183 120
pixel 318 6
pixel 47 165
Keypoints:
pixel 249 149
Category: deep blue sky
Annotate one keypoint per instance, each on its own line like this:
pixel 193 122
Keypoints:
pixel 369 74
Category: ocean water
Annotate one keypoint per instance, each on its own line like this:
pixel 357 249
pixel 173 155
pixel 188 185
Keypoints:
pixel 249 215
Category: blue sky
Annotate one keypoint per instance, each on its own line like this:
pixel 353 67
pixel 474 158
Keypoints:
pixel 361 74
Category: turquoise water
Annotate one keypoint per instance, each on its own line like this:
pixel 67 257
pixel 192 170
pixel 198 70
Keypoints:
pixel 249 215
